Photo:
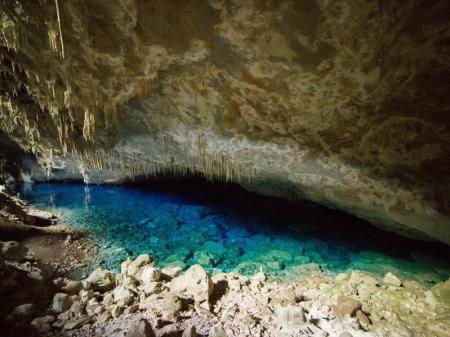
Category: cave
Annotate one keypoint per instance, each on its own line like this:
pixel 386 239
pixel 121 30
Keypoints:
pixel 224 168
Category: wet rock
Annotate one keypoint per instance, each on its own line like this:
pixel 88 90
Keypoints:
pixel 217 331
pixel 346 306
pixel 101 280
pixel 289 317
pixel 61 302
pixel 141 328
pixel 194 284
pixel 13 250
pixel 391 279
pixel 190 331
pixel 42 324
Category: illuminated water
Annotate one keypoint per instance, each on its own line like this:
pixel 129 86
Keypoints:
pixel 225 228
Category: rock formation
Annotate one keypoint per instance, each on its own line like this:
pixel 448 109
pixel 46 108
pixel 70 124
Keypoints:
pixel 342 103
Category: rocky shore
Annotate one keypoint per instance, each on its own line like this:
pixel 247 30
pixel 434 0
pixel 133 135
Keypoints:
pixel 43 299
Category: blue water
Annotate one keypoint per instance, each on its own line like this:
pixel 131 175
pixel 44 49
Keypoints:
pixel 224 228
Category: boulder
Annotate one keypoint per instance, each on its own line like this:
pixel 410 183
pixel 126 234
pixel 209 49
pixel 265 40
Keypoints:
pixel 134 268
pixel 362 320
pixel 150 274
pixel 171 330
pixel 194 284
pixel 23 310
pixel 391 279
pixel 43 324
pixel 61 302
pixel 289 317
pixel 172 271
pixel 101 280
pixel 72 287
pixel 346 306
pixel 123 295
pixel 141 328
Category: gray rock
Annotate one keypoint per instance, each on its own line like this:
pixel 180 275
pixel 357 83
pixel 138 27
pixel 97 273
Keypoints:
pixel 141 328
pixel 61 302
pixel 346 306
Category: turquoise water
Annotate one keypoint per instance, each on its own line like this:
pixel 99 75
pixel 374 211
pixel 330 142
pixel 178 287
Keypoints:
pixel 224 228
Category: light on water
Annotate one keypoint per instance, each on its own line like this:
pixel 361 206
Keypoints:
pixel 224 228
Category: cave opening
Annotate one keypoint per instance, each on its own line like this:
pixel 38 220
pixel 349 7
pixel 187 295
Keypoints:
pixel 184 221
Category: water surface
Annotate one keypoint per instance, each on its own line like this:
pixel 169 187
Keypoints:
pixel 225 228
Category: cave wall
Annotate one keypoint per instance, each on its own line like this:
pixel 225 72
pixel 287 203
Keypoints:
pixel 344 103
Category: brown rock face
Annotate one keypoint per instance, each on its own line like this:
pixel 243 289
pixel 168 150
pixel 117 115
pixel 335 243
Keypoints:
pixel 343 103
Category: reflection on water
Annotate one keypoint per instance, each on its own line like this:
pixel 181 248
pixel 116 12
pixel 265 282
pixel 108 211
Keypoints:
pixel 225 228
